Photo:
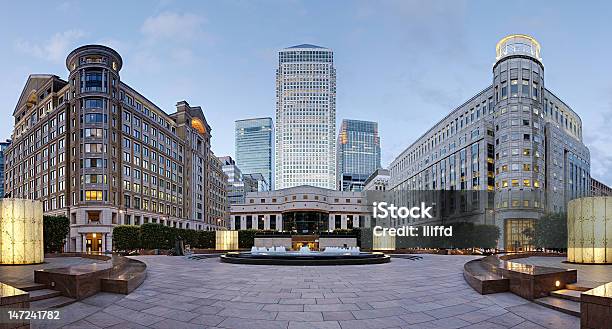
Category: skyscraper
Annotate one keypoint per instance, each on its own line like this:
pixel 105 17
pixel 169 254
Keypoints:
pixel 358 153
pixel 254 148
pixel 305 117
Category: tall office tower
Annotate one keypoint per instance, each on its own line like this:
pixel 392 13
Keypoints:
pixel 515 138
pixel 3 146
pixel 358 153
pixel 255 148
pixel 94 149
pixel 305 117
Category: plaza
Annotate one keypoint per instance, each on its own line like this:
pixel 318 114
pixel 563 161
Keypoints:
pixel 426 293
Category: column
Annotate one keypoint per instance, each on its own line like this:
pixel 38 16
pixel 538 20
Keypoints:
pixel 84 245
pixel 79 243
pixel 342 222
pixel 109 241
pixel 331 223
pixel 279 222
pixel 266 222
pixel 103 242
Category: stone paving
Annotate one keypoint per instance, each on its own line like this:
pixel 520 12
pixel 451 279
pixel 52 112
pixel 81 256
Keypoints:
pixel 428 293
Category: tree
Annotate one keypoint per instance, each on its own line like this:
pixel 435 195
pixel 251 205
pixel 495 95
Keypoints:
pixel 55 231
pixel 549 232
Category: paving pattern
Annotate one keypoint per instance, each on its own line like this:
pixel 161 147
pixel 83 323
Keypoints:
pixel 428 293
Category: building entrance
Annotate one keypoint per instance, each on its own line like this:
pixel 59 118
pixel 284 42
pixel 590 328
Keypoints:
pixel 310 241
pixel 93 242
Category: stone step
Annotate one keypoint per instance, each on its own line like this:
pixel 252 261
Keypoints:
pixel 567 294
pixel 43 294
pixel 562 305
pixel 54 302
pixel 30 286
pixel 583 285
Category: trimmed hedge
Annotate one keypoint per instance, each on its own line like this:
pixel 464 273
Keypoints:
pixel 246 238
pixel 126 237
pixel 158 236
pixel 55 231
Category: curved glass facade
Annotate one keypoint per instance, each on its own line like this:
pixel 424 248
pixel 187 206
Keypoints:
pixel 305 222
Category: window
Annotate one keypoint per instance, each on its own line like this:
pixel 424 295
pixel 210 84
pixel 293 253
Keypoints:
pixel 93 103
pixel 94 118
pixel 93 195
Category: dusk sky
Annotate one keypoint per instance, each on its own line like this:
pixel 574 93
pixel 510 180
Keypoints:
pixel 404 64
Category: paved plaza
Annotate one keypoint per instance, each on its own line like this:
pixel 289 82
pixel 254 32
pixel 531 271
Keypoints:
pixel 586 272
pixel 428 293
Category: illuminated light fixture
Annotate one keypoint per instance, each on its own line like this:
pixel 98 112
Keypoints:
pixel 589 230
pixel 226 240
pixel 21 231
pixel 198 125
pixel 557 283
pixel 94 235
pixel 383 242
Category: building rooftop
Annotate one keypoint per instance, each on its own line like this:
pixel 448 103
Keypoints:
pixel 306 45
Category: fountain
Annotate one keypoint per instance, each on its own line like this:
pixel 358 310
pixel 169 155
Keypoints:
pixel 304 256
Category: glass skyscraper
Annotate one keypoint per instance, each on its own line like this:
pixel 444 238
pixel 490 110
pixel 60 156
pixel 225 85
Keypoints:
pixel 358 153
pixel 305 117
pixel 254 148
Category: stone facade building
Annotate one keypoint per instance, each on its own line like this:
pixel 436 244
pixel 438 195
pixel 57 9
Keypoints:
pixel 94 149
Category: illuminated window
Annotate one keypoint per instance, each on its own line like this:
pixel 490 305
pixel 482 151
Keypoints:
pixel 526 151
pixel 93 195
pixel 515 182
pixel 536 183
pixel 504 183
pixel 526 167
pixel 526 182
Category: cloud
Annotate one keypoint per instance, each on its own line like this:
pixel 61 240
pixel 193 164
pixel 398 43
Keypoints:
pixel 173 26
pixel 55 48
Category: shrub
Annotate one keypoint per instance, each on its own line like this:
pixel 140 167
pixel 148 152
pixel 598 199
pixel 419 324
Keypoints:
pixel 55 231
pixel 157 236
pixel 246 238
pixel 126 237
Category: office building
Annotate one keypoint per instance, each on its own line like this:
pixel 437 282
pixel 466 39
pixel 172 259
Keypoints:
pixel 378 181
pixel 260 180
pixel 217 203
pixel 94 149
pixel 255 149
pixel 305 152
pixel 358 154
pixel 3 146
pixel 305 210
pixel 514 138
pixel 600 189
pixel 238 183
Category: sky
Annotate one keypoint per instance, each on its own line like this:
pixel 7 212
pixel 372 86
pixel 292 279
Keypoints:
pixel 402 63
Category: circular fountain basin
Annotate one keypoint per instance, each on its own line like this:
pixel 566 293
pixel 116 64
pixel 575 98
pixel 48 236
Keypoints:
pixel 312 258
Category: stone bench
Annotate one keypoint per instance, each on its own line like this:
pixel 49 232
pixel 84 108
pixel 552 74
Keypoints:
pixel 126 275
pixel 596 307
pixel 119 275
pixel 482 280
pixel 527 281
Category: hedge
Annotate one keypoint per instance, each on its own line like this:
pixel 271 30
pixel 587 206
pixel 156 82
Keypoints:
pixel 126 237
pixel 158 236
pixel 55 231
pixel 246 238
